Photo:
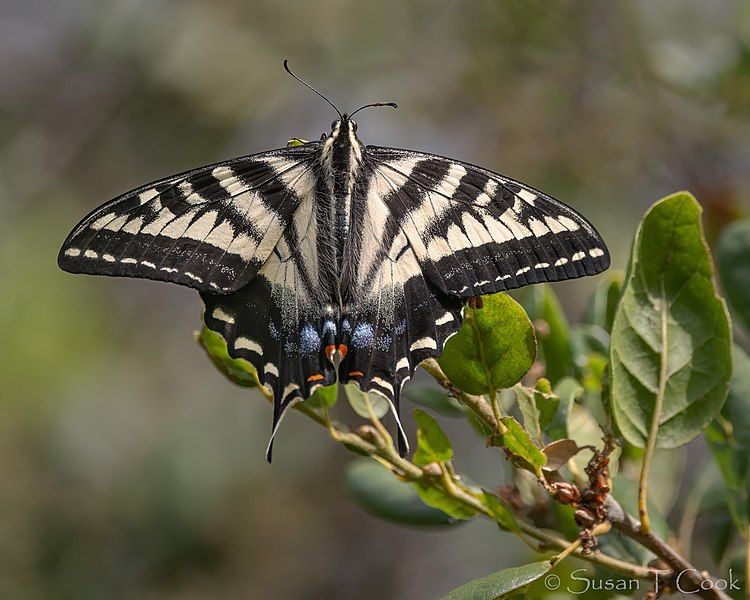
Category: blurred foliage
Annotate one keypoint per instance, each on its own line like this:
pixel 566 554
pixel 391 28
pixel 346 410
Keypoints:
pixel 129 469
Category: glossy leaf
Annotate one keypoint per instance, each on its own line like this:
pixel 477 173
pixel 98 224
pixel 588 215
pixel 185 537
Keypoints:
pixel 494 348
pixel 670 351
pixel 729 439
pixel 733 262
pixel 358 400
pixel 378 492
pixel 519 444
pixel 501 584
pixel 432 443
pixel 434 398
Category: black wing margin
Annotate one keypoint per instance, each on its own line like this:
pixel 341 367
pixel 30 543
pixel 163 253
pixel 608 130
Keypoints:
pixel 211 228
pixel 475 232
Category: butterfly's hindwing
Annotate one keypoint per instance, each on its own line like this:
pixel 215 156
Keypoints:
pixel 210 229
pixel 475 232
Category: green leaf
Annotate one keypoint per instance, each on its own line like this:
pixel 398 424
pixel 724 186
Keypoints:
pixel 500 512
pixel 436 399
pixel 625 492
pixel 326 395
pixel 538 407
pixel 437 498
pixel 432 443
pixel 670 353
pixel 237 370
pixel 602 304
pixel 359 401
pixel 733 261
pixel 378 492
pixel 567 390
pixel 500 584
pixel 296 142
pixel 519 444
pixel 494 348
pixel 729 439
pixel 553 334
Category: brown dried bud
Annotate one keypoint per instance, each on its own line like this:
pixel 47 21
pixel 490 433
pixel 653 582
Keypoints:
pixel 476 302
pixel 367 433
pixel 566 493
pixel 432 469
pixel 584 518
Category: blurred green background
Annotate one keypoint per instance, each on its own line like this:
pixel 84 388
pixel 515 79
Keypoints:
pixel 128 466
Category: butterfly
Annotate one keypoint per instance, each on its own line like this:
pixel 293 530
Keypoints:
pixel 335 261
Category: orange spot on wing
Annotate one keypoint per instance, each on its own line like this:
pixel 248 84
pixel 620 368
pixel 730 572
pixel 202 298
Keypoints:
pixel 330 349
pixel 316 377
pixel 356 374
pixel 343 349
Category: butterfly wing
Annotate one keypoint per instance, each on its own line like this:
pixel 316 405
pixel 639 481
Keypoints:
pixel 432 232
pixel 211 228
pixel 476 232
pixel 280 321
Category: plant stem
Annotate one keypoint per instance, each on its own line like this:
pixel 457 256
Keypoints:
pixel 655 419
pixel 476 403
pixel 631 528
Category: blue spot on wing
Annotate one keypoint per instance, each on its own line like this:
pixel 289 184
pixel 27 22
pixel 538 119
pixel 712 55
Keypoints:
pixel 363 335
pixel 309 340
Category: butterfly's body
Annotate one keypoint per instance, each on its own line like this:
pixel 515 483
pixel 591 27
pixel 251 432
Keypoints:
pixel 333 260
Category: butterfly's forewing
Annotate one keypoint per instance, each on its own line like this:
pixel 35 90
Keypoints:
pixel 476 232
pixel 211 228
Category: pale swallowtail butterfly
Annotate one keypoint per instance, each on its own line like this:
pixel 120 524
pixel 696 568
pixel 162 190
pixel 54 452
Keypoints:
pixel 333 260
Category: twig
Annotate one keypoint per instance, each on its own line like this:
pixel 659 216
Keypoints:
pixel 631 528
pixel 476 403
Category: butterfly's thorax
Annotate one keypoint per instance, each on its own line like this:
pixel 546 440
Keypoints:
pixel 341 163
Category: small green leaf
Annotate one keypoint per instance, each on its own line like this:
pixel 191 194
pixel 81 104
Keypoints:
pixel 733 262
pixel 519 444
pixel 501 584
pixel 670 353
pixel 602 304
pixel 296 142
pixel 553 335
pixel 378 492
pixel 625 492
pixel 437 498
pixel 729 439
pixel 436 399
pixel 494 348
pixel 326 395
pixel 237 370
pixel 567 390
pixel 359 400
pixel 432 443
pixel 538 407
pixel 500 512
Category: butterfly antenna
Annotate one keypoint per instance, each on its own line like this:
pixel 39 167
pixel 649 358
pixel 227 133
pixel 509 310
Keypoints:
pixel 374 104
pixel 303 82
